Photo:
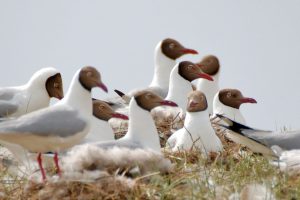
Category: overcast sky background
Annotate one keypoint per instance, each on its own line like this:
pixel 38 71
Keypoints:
pixel 257 42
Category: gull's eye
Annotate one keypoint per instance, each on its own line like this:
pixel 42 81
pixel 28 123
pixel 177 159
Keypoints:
pixel 234 95
pixel 171 45
pixel 89 74
pixel 202 98
pixel 56 85
pixel 148 96
pixel 229 95
pixel 100 107
pixel 190 67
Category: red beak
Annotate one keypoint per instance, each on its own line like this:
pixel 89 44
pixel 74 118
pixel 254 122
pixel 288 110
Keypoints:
pixel 168 103
pixel 102 86
pixel 120 116
pixel 206 76
pixel 189 51
pixel 193 104
pixel 248 100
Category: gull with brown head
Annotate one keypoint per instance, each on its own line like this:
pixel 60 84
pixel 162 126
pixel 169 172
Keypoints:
pixel 60 126
pixel 197 132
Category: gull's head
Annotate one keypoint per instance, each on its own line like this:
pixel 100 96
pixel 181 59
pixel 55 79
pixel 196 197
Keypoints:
pixel 234 98
pixel 209 65
pixel 89 78
pixel 191 71
pixel 173 49
pixel 148 100
pixel 103 111
pixel 48 79
pixel 196 101
pixel 54 86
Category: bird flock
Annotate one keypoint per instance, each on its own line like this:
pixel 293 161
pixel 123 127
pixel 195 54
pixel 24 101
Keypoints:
pixel 77 126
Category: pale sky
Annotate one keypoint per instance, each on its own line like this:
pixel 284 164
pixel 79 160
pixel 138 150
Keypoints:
pixel 257 42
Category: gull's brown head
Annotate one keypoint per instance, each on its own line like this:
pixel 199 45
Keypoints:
pixel 89 77
pixel 54 86
pixel 103 111
pixel 191 71
pixel 234 98
pixel 173 49
pixel 196 101
pixel 148 100
pixel 209 65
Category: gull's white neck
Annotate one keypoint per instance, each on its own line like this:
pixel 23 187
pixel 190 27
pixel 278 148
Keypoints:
pixel 178 89
pixel 141 127
pixel 162 70
pixel 195 121
pixel 35 93
pixel 209 88
pixel 232 113
pixel 100 131
pixel 78 97
pixel 198 126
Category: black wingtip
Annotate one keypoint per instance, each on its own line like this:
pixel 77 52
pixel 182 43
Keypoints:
pixel 121 94
pixel 233 125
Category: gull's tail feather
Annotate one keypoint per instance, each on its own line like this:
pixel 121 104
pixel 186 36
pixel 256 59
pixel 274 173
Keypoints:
pixel 241 134
pixel 125 97
pixel 233 125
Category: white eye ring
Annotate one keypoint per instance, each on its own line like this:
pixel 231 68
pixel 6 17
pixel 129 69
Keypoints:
pixel 228 95
pixel 101 107
pixel 171 45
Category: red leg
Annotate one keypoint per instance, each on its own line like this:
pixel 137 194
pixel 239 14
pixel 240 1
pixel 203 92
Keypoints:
pixel 39 159
pixel 56 164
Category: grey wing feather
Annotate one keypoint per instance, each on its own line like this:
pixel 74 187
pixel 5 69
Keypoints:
pixel 7 108
pixel 6 94
pixel 46 122
pixel 249 132
pixel 286 140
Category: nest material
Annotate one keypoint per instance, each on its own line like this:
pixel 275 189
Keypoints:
pixel 108 187
pixel 90 157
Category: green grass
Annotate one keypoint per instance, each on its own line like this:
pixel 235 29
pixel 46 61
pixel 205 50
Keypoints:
pixel 193 177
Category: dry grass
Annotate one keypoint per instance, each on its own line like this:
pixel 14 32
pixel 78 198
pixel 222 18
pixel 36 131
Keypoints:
pixel 193 177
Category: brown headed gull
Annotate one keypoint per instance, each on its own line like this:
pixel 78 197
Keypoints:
pixel 197 131
pixel 165 55
pixel 142 132
pixel 180 82
pixel 34 95
pixel 227 102
pixel 265 142
pixel 100 129
pixel 57 127
pixel 211 66
pixel 180 85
